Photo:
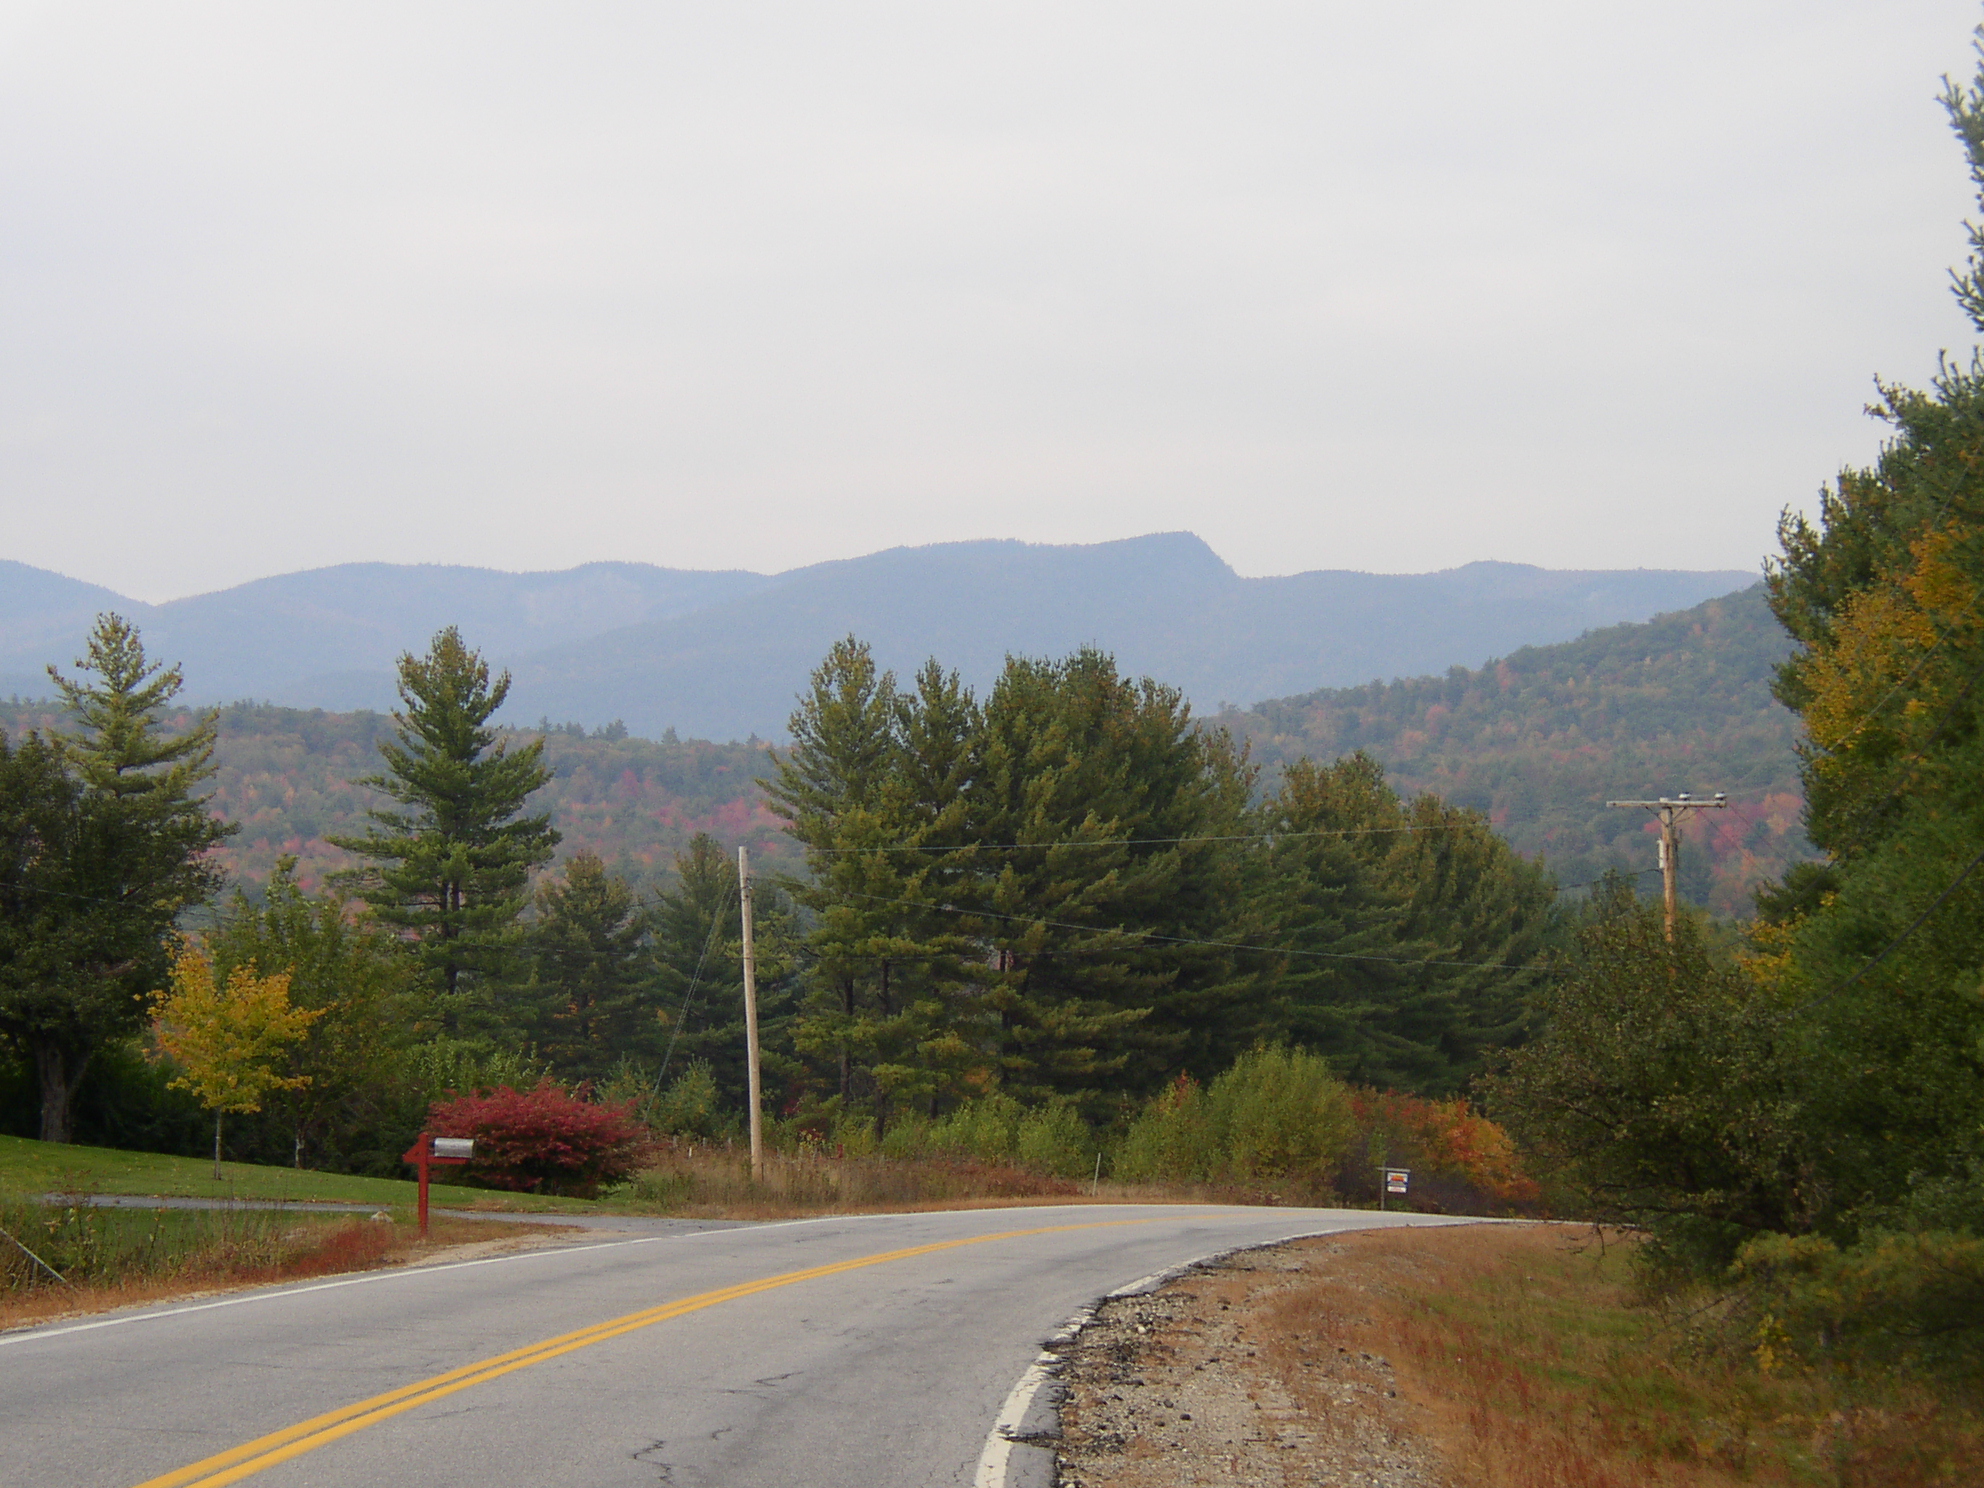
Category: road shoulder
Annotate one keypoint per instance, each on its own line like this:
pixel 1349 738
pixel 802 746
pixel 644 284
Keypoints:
pixel 1203 1381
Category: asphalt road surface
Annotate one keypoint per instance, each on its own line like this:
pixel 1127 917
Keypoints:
pixel 853 1352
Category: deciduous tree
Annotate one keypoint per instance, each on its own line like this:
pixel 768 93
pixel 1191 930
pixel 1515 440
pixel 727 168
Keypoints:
pixel 230 1040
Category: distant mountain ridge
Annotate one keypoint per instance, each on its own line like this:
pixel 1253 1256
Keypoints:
pixel 721 654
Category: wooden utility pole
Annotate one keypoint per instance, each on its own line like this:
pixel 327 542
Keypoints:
pixel 751 1017
pixel 1670 813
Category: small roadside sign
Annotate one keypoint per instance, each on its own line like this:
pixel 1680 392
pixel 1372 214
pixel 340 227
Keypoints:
pixel 1395 1183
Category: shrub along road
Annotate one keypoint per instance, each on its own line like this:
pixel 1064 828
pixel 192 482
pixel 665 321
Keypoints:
pixel 860 1351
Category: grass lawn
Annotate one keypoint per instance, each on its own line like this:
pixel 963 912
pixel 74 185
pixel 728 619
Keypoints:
pixel 28 1167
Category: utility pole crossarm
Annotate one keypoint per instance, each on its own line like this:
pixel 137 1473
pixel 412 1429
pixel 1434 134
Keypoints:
pixel 1670 809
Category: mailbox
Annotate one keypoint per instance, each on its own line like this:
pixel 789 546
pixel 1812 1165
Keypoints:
pixel 428 1150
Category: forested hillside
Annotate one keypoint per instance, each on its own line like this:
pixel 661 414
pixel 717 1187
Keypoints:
pixel 1538 741
pixel 287 776
pixel 1541 740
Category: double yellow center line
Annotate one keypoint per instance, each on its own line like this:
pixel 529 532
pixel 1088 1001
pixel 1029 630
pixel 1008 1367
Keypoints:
pixel 265 1452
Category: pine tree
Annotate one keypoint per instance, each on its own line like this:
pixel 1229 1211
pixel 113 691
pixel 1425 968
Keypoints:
pixel 595 974
pixel 452 869
pixel 51 1010
pixel 696 935
pixel 1106 808
pixel 1415 930
pixel 120 848
pixel 832 788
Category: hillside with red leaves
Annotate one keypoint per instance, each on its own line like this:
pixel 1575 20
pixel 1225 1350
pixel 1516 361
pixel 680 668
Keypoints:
pixel 288 777
pixel 1541 739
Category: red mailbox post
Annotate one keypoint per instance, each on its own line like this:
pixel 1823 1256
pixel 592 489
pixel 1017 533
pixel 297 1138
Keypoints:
pixel 428 1150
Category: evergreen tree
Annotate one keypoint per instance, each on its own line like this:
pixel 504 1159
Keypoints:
pixel 1113 820
pixel 452 869
pixel 934 1029
pixel 594 973
pixel 1422 932
pixel 1339 917
pixel 832 788
pixel 876 779
pixel 108 844
pixel 697 931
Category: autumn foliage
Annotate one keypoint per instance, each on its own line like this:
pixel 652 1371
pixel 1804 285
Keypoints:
pixel 1445 1143
pixel 544 1140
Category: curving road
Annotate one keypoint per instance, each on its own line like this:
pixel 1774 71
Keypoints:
pixel 852 1352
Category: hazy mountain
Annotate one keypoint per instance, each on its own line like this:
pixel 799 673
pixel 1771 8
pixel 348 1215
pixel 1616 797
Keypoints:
pixel 329 637
pixel 1166 605
pixel 43 618
pixel 720 655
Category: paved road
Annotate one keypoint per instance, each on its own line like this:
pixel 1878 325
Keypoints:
pixel 859 1352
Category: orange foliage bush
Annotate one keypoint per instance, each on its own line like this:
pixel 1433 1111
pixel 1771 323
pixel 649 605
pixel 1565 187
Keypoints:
pixel 1449 1147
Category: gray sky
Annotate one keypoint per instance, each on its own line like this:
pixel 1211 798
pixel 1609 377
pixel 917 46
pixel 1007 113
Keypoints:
pixel 1334 285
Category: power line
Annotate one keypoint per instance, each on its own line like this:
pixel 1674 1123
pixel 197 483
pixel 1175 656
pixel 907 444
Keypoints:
pixel 1185 941
pixel 1136 841
pixel 682 1018
pixel 1914 925
pixel 1615 873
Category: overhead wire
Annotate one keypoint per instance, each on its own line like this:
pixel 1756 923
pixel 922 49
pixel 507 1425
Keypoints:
pixel 1132 841
pixel 1180 940
pixel 682 1018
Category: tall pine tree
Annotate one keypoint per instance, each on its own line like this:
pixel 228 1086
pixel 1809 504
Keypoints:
pixel 1109 818
pixel 108 843
pixel 594 973
pixel 452 868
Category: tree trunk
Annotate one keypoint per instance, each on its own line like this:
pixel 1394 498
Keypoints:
pixel 217 1119
pixel 59 1076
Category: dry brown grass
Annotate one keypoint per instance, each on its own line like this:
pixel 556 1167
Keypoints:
pixel 309 1246
pixel 1530 1364
pixel 714 1182
pixel 1473 1357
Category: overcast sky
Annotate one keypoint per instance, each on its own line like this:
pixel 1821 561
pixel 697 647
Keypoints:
pixel 1370 285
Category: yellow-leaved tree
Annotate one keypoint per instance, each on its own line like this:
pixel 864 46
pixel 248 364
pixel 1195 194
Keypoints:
pixel 227 1038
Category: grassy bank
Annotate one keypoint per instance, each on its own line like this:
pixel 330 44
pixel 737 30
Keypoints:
pixel 1534 1363
pixel 706 1180
pixel 29 1167
pixel 61 1259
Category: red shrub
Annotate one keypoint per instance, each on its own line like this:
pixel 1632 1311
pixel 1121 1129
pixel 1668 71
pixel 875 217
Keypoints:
pixel 544 1140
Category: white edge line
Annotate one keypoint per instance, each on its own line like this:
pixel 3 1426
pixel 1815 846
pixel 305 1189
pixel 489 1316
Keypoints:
pixel 400 1273
pixel 396 1273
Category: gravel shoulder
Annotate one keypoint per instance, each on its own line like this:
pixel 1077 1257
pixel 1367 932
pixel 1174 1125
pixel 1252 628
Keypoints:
pixel 1210 1380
